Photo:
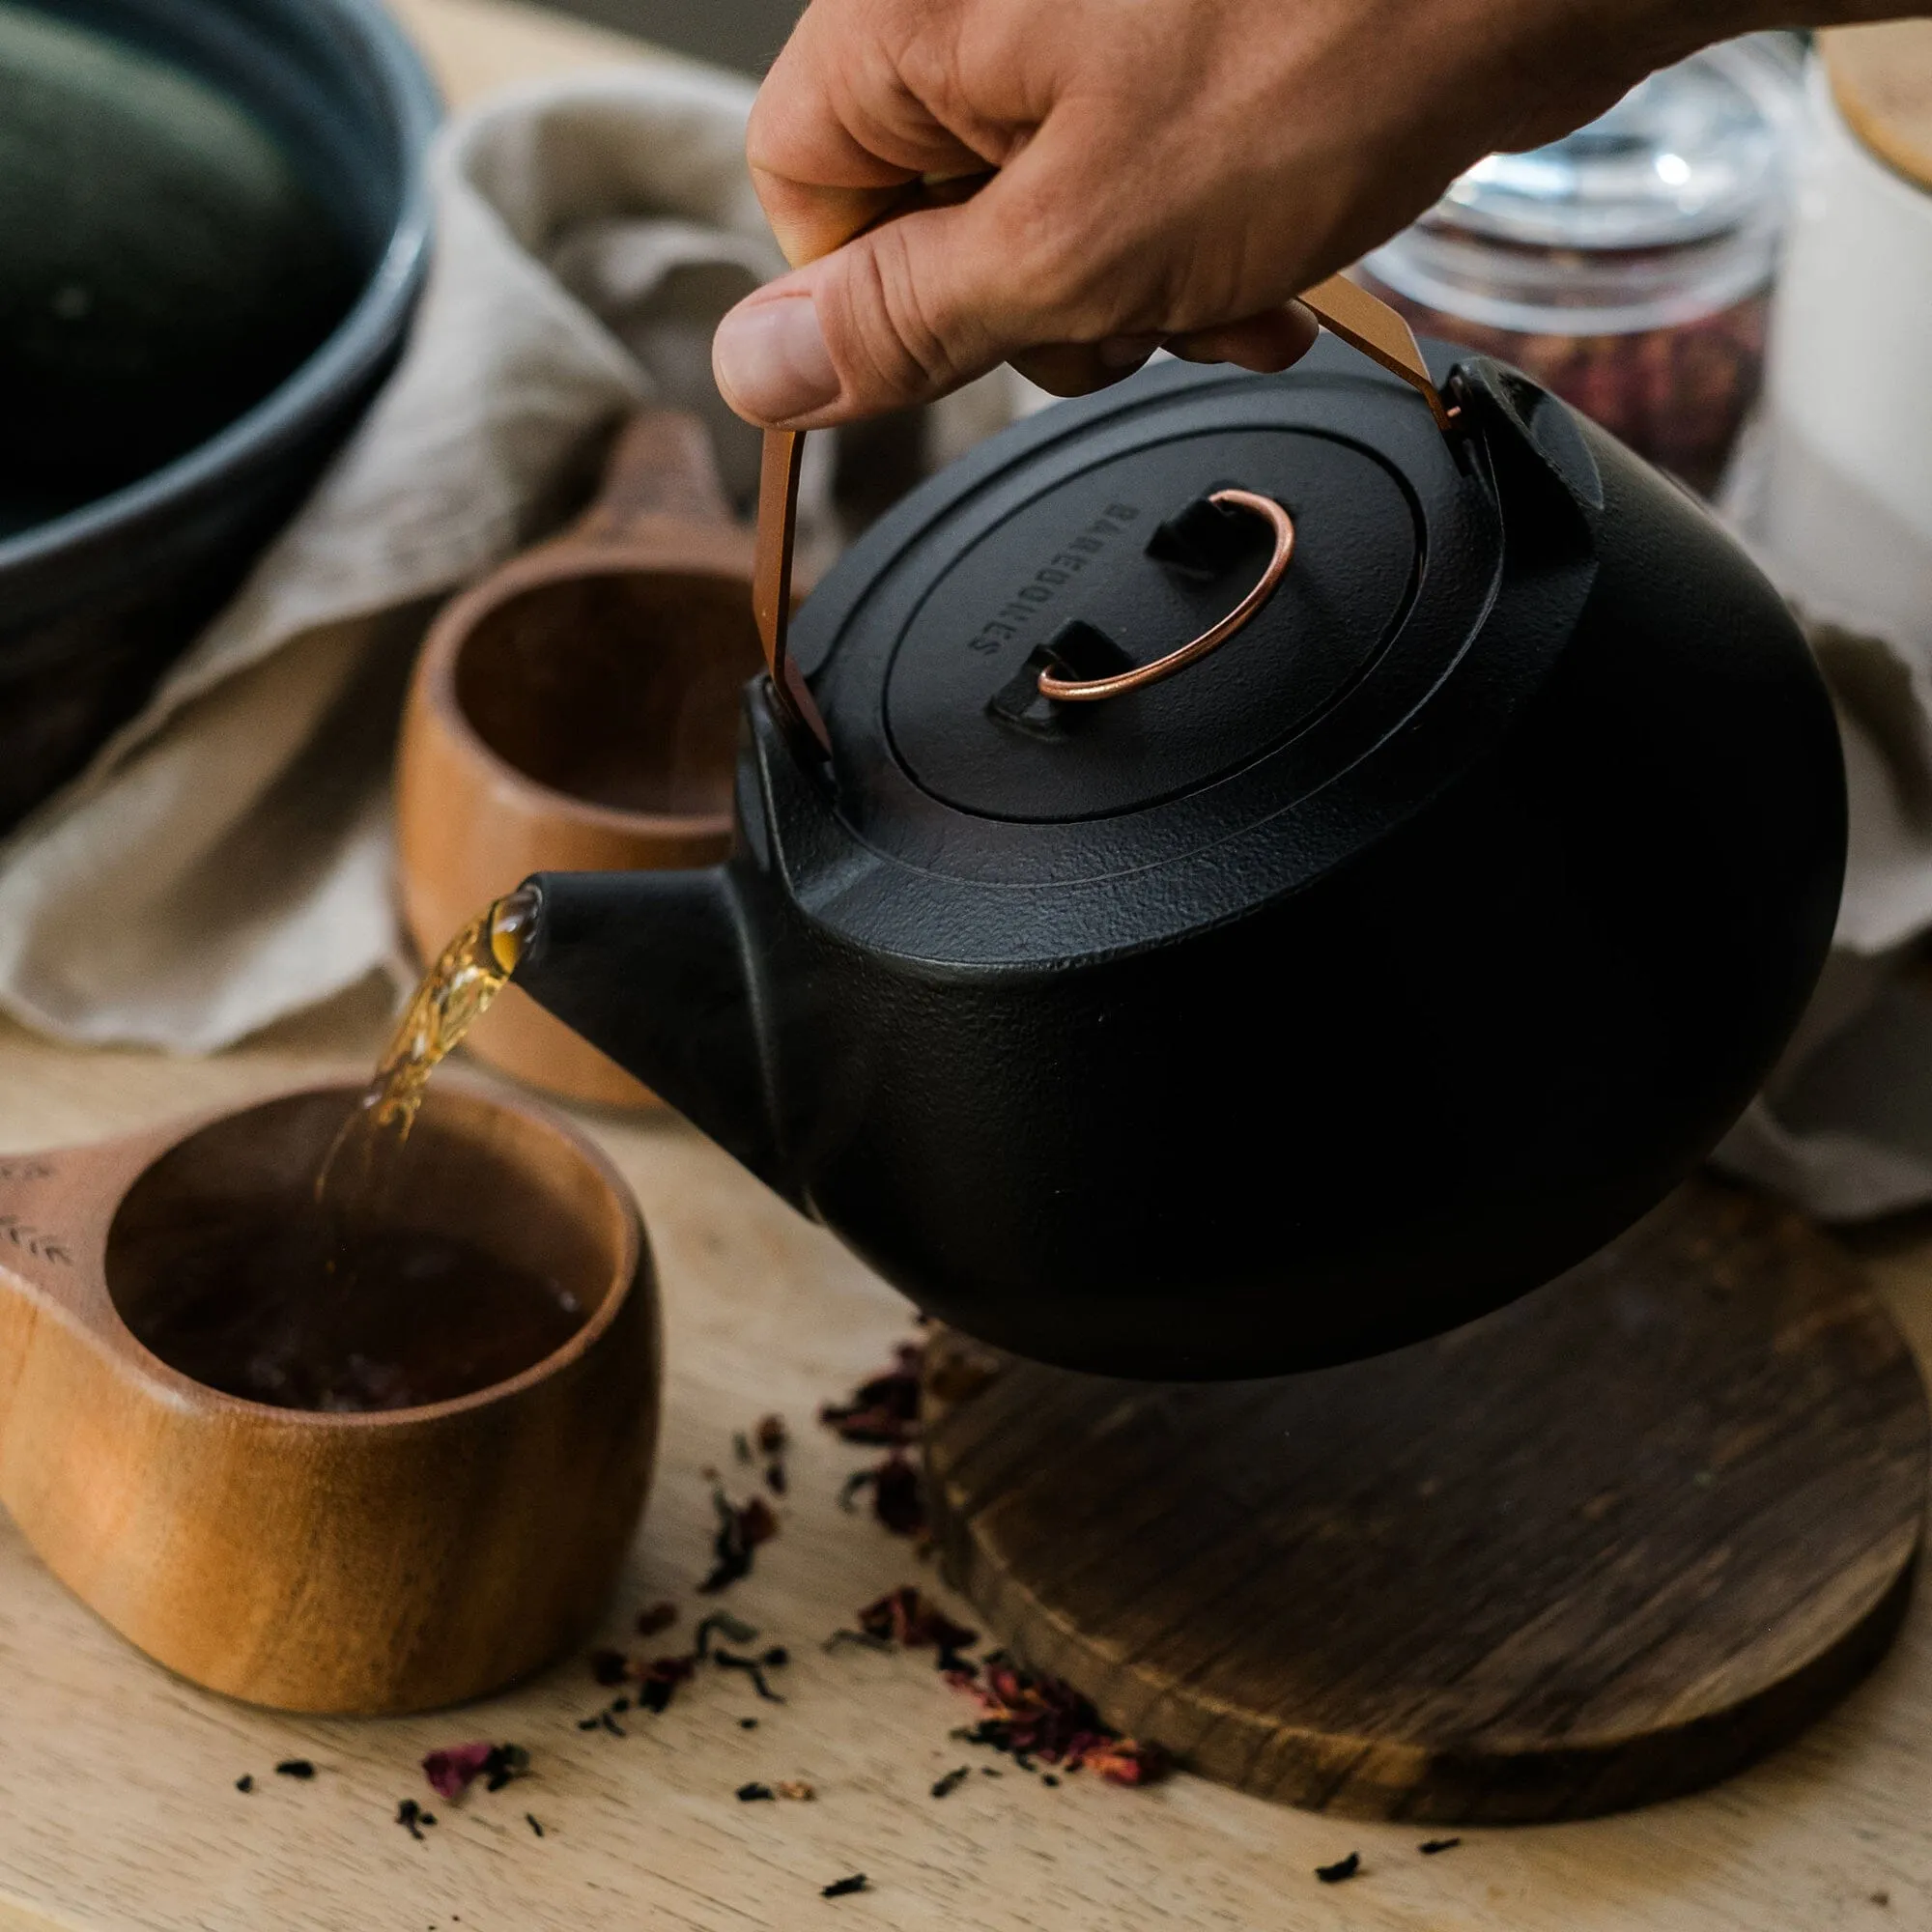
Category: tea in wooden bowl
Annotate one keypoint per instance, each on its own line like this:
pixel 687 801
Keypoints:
pixel 366 1463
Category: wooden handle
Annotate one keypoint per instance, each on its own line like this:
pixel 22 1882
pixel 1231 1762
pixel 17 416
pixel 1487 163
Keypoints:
pixel 53 1206
pixel 661 465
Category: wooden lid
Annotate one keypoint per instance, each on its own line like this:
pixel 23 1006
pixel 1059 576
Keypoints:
pixel 1882 80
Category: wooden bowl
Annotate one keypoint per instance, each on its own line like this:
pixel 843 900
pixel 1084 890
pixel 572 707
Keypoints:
pixel 578 711
pixel 359 1562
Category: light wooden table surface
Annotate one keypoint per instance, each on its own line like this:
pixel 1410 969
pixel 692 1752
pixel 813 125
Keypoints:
pixel 117 1800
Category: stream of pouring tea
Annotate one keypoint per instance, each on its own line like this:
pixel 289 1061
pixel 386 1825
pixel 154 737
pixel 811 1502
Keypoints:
pixel 454 994
pixel 341 1300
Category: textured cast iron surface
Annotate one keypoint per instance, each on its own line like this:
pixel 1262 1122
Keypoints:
pixel 1320 1056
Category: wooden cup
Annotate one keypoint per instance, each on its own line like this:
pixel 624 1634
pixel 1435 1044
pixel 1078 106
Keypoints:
pixel 578 710
pixel 366 1562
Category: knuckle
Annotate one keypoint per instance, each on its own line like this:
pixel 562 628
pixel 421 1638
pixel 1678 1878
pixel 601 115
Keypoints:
pixel 895 338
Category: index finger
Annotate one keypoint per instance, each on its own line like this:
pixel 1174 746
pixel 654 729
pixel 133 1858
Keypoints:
pixel 836 135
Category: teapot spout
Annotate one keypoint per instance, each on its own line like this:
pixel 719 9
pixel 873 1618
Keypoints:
pixel 653 968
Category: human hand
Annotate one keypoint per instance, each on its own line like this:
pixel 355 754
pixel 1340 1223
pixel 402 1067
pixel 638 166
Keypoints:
pixel 1168 173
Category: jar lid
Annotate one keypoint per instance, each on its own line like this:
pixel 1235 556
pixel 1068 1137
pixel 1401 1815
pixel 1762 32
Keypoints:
pixel 1660 211
pixel 1692 152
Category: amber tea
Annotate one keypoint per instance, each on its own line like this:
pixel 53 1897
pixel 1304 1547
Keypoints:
pixel 275 1302
pixel 453 995
pixel 334 1303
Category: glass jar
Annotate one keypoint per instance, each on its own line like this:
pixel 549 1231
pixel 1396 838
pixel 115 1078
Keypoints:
pixel 1628 267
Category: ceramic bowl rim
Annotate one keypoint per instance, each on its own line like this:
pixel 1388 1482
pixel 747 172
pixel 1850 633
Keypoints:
pixel 353 351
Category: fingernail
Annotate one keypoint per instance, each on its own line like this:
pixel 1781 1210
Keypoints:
pixel 771 360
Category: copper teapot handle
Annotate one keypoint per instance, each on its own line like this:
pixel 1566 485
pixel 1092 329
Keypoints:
pixel 1089 690
pixel 1343 307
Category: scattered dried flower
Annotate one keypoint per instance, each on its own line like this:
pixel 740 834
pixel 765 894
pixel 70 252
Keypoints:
pixel 741 1528
pixel 795 1788
pixel 906 1617
pixel 753 1667
pixel 885 1409
pixel 412 1818
pixel 721 1623
pixel 658 1618
pixel 455 1767
pixel 1030 1716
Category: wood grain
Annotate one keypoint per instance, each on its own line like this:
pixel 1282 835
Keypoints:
pixel 1602 1547
pixel 1882 80
pixel 333 1562
pixel 118 1812
pixel 578 710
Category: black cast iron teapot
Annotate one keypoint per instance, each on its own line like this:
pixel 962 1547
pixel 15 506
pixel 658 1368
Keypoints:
pixel 1369 966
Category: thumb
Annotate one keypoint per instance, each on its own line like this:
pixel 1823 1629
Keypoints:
pixel 902 314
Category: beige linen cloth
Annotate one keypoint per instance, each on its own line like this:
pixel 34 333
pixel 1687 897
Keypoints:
pixel 1845 1126
pixel 226 859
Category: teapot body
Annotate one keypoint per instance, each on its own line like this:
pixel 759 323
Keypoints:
pixel 1281 1084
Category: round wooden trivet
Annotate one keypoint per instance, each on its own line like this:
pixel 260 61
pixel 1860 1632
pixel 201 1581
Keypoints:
pixel 1602 1547
pixel 1882 80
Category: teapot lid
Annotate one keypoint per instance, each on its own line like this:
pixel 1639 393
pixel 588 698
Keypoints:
pixel 1096 560
pixel 1083 541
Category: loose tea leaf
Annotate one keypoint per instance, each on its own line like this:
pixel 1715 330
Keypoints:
pixel 951 1781
pixel 1341 1869
pixel 609 1667
pixel 721 1623
pixel 533 1825
pixel 859 1640
pixel 741 1529
pixel 771 1437
pixel 750 1793
pixel 295 1767
pixel 1429 1847
pixel 412 1818
pixel 659 1617
pixel 844 1888
pixel 659 1681
pixel 906 1617
pixel 245 1782
pixel 752 1666
pixel 885 1409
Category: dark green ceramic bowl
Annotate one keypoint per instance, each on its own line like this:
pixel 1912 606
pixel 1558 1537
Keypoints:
pixel 214 226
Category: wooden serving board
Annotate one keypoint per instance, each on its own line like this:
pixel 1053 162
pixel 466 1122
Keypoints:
pixel 1604 1547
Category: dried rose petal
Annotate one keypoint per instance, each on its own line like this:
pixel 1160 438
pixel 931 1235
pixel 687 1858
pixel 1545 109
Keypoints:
pixel 884 1410
pixel 896 1499
pixel 454 1769
pixel 907 1618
